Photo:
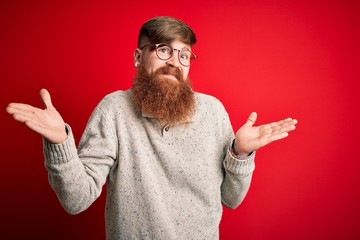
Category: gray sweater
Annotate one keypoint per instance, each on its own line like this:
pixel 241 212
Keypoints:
pixel 163 182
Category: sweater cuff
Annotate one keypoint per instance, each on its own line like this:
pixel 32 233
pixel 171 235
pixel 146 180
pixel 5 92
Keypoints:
pixel 236 166
pixel 62 152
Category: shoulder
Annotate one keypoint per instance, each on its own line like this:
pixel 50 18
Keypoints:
pixel 208 102
pixel 209 109
pixel 210 112
pixel 116 98
pixel 116 102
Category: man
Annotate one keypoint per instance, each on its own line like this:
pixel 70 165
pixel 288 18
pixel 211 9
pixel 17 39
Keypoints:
pixel 169 155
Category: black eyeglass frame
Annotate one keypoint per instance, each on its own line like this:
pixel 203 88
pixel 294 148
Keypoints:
pixel 157 45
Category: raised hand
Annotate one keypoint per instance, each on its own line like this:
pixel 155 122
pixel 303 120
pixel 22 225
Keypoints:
pixel 249 138
pixel 47 122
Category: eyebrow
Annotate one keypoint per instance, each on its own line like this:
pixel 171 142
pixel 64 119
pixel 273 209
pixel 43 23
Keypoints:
pixel 184 48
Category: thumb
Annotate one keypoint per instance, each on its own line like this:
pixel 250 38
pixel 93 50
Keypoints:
pixel 251 119
pixel 45 97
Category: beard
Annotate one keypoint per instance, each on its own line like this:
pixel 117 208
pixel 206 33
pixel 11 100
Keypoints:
pixel 169 101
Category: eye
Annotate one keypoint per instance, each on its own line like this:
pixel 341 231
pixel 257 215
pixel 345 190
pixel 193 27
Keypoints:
pixel 164 50
pixel 185 55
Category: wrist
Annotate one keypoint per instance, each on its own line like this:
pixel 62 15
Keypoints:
pixel 239 154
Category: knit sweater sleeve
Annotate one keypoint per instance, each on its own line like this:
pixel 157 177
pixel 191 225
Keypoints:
pixel 77 176
pixel 238 174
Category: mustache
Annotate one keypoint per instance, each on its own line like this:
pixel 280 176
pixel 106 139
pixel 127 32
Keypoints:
pixel 176 72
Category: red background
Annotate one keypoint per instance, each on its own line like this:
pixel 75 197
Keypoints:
pixel 275 57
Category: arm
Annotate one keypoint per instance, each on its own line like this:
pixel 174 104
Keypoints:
pixel 76 178
pixel 238 175
pixel 239 161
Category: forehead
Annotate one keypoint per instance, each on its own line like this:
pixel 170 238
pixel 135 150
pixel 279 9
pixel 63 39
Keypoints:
pixel 179 45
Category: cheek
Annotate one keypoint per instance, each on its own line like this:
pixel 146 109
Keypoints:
pixel 149 68
pixel 185 72
pixel 152 66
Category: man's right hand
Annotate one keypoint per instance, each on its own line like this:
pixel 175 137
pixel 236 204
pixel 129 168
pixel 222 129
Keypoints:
pixel 47 122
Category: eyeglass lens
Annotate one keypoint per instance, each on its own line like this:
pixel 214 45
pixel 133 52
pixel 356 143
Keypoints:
pixel 164 52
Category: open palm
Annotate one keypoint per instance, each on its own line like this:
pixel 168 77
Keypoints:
pixel 249 138
pixel 47 122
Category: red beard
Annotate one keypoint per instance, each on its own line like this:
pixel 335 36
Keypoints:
pixel 169 101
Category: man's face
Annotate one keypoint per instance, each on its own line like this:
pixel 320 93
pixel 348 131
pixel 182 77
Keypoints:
pixel 151 62
pixel 162 88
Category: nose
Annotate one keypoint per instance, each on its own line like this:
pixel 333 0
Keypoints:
pixel 174 59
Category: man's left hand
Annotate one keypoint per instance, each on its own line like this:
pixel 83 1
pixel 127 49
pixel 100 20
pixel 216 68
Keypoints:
pixel 250 138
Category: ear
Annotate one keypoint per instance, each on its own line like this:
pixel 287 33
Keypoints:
pixel 137 57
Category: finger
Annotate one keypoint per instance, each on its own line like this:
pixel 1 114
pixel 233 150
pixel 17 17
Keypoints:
pixel 286 123
pixel 281 122
pixel 285 127
pixel 11 108
pixel 276 137
pixel 251 119
pixel 283 130
pixel 20 117
pixel 15 106
pixel 271 129
pixel 25 115
pixel 23 109
pixel 46 98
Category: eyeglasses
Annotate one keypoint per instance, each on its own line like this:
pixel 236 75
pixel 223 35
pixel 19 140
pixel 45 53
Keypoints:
pixel 165 51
